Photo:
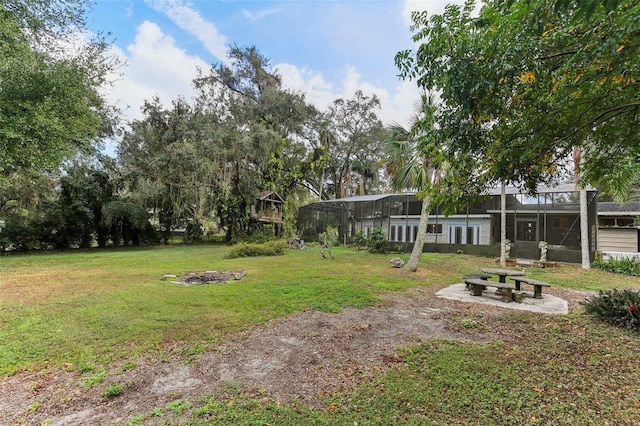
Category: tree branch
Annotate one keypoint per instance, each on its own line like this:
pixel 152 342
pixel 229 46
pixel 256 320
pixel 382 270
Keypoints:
pixel 600 117
pixel 556 55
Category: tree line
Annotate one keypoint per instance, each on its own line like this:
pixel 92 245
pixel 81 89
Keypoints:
pixel 196 165
pixel 512 93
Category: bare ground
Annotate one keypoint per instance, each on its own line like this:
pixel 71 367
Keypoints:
pixel 303 357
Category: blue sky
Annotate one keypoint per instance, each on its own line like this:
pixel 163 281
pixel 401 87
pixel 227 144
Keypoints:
pixel 324 49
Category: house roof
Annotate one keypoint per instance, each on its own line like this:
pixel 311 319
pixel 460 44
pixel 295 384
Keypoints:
pixel 510 190
pixel 371 197
pixel 270 195
pixel 624 209
pixel 566 187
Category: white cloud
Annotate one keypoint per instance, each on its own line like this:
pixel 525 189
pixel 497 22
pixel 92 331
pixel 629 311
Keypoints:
pixel 191 22
pixel 254 17
pixel 155 66
pixel 316 89
pixel 397 105
pixel 433 7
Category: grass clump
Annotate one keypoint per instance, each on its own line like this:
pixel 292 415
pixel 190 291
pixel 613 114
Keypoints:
pixel 179 406
pixel 616 307
pixel 619 265
pixel 95 379
pixel 270 248
pixel 114 390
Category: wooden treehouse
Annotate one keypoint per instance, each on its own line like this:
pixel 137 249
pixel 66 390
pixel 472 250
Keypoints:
pixel 268 208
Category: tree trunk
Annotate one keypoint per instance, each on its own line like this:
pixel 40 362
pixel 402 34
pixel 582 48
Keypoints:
pixel 320 186
pixel 412 264
pixel 578 160
pixel 503 226
pixel 584 229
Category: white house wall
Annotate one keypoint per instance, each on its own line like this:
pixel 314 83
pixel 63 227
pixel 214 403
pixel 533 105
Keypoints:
pixel 618 240
pixel 482 235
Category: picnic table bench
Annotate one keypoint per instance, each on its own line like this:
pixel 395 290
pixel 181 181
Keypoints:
pixel 476 276
pixel 537 285
pixel 478 285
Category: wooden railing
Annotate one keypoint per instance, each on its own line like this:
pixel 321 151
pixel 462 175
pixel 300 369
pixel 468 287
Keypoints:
pixel 275 217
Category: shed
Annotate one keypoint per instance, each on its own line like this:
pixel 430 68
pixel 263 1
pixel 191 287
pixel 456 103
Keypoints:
pixel 619 229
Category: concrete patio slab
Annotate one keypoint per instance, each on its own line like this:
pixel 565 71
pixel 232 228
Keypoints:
pixel 547 305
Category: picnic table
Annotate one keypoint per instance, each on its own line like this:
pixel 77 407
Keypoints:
pixel 503 273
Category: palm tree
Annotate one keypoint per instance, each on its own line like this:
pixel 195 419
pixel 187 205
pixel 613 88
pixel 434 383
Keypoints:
pixel 412 161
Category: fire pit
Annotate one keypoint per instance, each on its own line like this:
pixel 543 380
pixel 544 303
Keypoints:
pixel 206 277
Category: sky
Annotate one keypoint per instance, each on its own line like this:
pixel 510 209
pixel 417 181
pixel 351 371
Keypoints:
pixel 325 49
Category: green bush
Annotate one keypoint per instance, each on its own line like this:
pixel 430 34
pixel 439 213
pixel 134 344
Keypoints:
pixel 619 308
pixel 377 242
pixel 259 235
pixel 271 248
pixel 193 232
pixel 359 240
pixel 619 265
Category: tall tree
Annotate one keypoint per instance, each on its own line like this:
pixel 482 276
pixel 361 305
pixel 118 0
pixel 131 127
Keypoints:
pixel 50 105
pixel 526 82
pixel 414 163
pixel 256 129
pixel 359 141
pixel 168 166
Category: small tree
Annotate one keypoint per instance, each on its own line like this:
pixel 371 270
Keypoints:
pixel 359 240
pixel 377 242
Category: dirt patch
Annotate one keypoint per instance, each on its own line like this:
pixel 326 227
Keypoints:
pixel 301 357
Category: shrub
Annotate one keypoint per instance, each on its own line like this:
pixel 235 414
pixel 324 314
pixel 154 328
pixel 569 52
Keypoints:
pixel 619 308
pixel 377 242
pixel 193 232
pixel 619 265
pixel 260 235
pixel 359 240
pixel 271 248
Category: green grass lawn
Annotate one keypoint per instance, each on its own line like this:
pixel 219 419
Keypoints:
pixel 82 309
pixel 85 310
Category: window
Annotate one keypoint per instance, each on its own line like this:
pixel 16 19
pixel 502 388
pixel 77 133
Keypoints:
pixel 526 230
pixel 561 222
pixel 455 235
pixel 434 228
pixel 464 235
pixel 392 233
pixel 616 222
pixel 473 235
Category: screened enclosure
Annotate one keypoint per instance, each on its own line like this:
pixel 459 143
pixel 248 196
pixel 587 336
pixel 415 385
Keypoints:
pixel 552 216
